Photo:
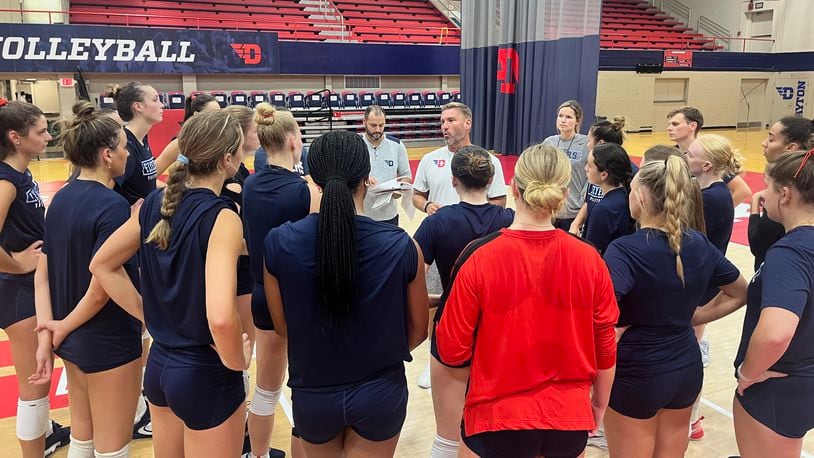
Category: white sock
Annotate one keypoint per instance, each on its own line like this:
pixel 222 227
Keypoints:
pixel 696 411
pixel 443 448
pixel 141 408
pixel 80 449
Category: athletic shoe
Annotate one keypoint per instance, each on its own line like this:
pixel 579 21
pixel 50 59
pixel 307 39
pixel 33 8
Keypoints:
pixel 704 345
pixel 598 441
pixel 143 429
pixel 696 430
pixel 424 378
pixel 273 453
pixel 60 436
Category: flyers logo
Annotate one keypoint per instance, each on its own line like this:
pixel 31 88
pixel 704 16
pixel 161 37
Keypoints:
pixel 249 52
pixel 508 70
pixel 440 162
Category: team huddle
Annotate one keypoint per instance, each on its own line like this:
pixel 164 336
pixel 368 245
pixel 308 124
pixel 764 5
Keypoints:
pixel 577 315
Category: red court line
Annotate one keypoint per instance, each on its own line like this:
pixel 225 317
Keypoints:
pixel 9 394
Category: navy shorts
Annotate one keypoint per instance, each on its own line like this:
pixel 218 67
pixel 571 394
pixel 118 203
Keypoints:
pixel 527 443
pixel 642 397
pixel 245 282
pixel 260 309
pixel 194 384
pixel 783 405
pixel 434 348
pixel 375 409
pixel 93 351
pixel 17 293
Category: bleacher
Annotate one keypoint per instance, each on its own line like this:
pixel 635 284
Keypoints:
pixel 635 24
pixel 372 21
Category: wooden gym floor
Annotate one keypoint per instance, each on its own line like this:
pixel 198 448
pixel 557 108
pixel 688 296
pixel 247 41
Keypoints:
pixel 419 428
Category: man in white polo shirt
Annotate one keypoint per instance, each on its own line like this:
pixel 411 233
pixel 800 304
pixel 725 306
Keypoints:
pixel 433 181
pixel 388 160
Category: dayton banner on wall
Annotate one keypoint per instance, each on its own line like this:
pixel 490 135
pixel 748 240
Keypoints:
pixel 60 48
pixel 519 60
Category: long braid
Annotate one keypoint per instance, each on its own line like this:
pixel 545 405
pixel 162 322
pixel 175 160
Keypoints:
pixel 676 205
pixel 338 162
pixel 176 184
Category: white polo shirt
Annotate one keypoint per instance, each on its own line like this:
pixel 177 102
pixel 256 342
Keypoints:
pixel 434 175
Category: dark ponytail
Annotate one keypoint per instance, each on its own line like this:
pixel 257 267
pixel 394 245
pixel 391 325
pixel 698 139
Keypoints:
pixel 609 132
pixel 195 104
pixel 339 163
pixel 613 159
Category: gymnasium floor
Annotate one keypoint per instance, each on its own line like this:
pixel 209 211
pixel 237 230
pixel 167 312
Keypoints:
pixel 419 429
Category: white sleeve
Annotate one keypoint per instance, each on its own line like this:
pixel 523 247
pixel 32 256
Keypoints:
pixel 420 182
pixel 404 162
pixel 498 186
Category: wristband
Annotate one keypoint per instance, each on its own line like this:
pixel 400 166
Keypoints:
pixel 743 377
pixel 426 205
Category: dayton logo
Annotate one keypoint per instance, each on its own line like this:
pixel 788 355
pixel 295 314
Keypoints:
pixel 508 70
pixel 440 162
pixel 249 52
pixel 787 93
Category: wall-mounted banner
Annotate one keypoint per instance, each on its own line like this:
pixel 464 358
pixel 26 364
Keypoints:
pixel 60 48
pixel 677 59
pixel 792 93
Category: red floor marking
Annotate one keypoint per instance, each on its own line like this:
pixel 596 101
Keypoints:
pixel 9 394
pixel 5 354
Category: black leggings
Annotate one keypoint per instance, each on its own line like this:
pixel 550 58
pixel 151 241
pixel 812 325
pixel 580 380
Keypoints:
pixel 527 443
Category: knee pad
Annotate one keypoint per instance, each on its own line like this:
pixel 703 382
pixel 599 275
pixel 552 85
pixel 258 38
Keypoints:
pixel 32 418
pixel 80 449
pixel 124 452
pixel 264 403
pixel 443 448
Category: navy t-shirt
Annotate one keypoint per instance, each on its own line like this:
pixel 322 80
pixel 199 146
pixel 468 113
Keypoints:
pixel 719 214
pixel 271 197
pixel 173 287
pixel 82 215
pixel 594 195
pixel 443 235
pixel 261 161
pixel 653 301
pixel 140 171
pixel 786 280
pixel 609 219
pixel 25 222
pixel 375 341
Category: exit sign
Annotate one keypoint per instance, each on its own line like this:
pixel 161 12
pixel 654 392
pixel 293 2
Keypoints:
pixel 66 82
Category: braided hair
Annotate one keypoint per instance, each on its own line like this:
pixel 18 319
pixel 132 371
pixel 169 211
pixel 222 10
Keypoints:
pixel 339 163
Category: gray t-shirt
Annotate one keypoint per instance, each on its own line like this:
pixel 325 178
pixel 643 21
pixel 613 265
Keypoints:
pixel 387 161
pixel 577 150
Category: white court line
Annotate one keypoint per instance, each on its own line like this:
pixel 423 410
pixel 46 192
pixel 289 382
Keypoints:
pixel 286 405
pixel 728 414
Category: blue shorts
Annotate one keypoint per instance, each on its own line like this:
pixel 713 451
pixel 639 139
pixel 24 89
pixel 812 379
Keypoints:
pixel 260 309
pixel 783 405
pixel 93 351
pixel 16 298
pixel 643 396
pixel 375 409
pixel 527 443
pixel 194 384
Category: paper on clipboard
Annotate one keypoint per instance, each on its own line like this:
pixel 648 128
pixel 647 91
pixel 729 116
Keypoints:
pixel 382 194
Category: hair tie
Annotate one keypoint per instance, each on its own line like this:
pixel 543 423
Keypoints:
pixel 803 162
pixel 165 217
pixel 3 102
pixel 183 159
pixel 336 178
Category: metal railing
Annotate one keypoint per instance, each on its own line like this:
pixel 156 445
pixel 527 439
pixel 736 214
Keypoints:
pixel 676 9
pixel 710 28
pixel 330 8
pixel 744 42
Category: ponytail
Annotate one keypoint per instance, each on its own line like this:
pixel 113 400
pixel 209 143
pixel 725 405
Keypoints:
pixel 338 162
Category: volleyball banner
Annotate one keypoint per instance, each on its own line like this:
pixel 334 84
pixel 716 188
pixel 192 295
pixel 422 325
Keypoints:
pixel 520 60
pixel 60 48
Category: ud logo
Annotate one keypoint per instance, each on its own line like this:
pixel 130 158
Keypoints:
pixel 32 196
pixel 787 93
pixel 148 168
pixel 389 163
pixel 440 162
pixel 508 70
pixel 249 52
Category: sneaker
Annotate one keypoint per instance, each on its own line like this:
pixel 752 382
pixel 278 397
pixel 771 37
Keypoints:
pixel 424 378
pixel 704 345
pixel 696 430
pixel 598 441
pixel 273 453
pixel 60 436
pixel 143 429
